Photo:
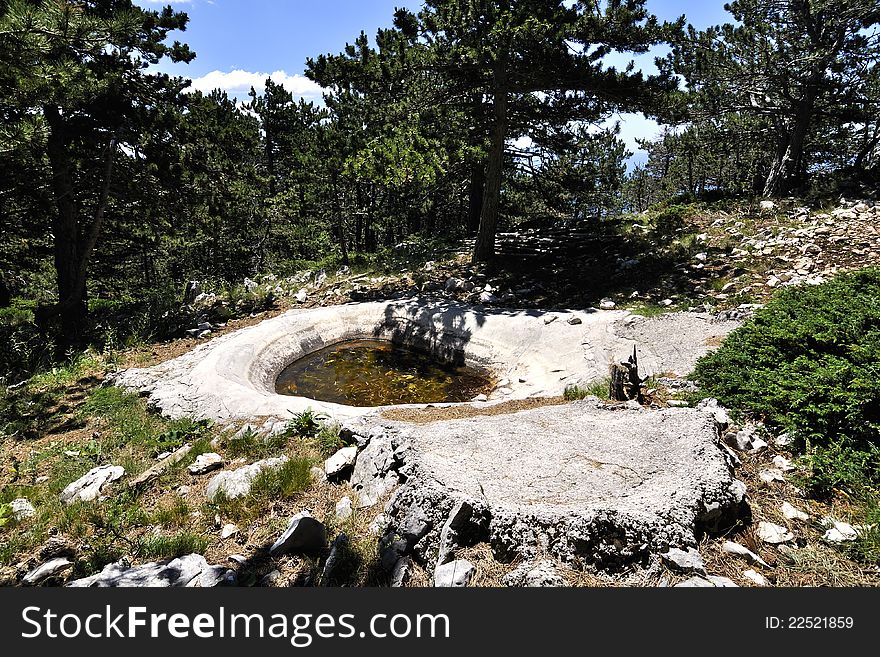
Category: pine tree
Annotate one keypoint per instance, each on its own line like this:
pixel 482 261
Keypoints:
pixel 539 61
pixel 801 65
pixel 74 72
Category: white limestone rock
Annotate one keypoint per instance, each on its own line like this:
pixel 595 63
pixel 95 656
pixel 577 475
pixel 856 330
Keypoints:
pixel 773 534
pixel 455 574
pixel 89 486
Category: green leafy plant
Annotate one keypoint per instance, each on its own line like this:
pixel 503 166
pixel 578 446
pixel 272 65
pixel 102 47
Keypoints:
pixel 5 514
pixel 183 431
pixel 306 424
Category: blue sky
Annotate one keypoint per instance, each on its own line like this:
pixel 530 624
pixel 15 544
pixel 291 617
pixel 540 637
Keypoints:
pixel 239 43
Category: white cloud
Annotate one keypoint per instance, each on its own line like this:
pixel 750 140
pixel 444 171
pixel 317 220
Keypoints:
pixel 523 143
pixel 238 83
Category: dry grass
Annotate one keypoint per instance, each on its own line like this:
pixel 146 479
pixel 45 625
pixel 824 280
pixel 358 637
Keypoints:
pixel 431 414
pixel 808 561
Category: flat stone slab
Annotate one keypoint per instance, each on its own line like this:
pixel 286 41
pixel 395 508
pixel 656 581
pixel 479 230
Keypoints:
pixel 233 377
pixel 579 481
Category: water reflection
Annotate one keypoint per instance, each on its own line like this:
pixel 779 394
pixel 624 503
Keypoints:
pixel 376 373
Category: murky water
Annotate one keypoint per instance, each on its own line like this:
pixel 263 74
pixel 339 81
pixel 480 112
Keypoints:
pixel 375 373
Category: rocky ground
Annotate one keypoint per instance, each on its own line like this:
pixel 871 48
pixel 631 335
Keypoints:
pixel 106 493
pixel 706 259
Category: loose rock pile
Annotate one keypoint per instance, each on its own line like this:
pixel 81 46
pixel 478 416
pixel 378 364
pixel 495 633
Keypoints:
pixel 796 247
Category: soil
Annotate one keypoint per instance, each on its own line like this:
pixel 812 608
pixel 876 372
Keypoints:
pixel 441 413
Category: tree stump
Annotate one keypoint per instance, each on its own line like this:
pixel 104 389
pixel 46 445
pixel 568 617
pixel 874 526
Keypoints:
pixel 626 384
pixel 617 390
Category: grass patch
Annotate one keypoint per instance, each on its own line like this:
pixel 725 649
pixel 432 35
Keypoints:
pixel 45 402
pixel 131 434
pixel 120 430
pixel 293 477
pixel 286 482
pixel 174 515
pixel 171 547
pixel 600 389
pixel 78 367
pixel 867 547
pixel 251 445
pixel 653 309
pixel 329 440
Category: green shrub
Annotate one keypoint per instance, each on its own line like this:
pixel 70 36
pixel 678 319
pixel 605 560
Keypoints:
pixel 808 362
pixel 841 466
pixel 670 219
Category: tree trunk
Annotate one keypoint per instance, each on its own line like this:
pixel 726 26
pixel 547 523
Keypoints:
pixel 5 296
pixel 343 243
pixel 270 163
pixel 690 173
pixel 617 388
pixel 484 251
pixel 73 247
pixel 625 382
pixel 340 222
pixel 475 197
pixel 71 305
pixel 869 146
pixel 790 150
